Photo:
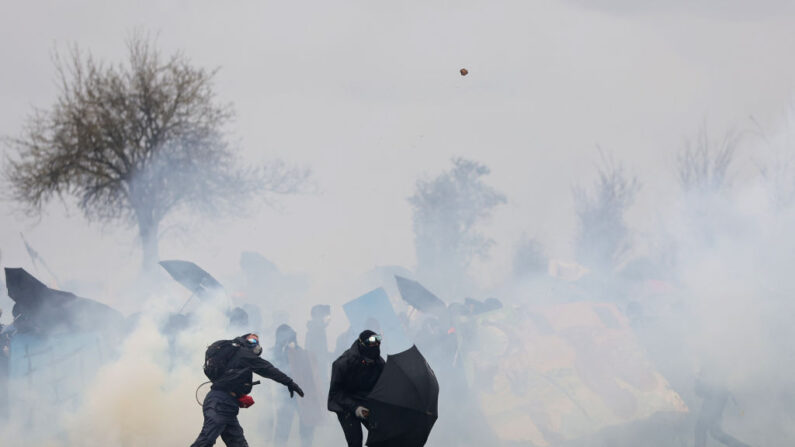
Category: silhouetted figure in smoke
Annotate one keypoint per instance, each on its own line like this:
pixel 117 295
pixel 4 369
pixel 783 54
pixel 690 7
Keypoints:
pixel 316 341
pixel 438 342
pixel 174 325
pixel 709 419
pixel 341 344
pixel 286 408
pixel 229 392
pixel 438 338
pixel 238 318
pixel 353 376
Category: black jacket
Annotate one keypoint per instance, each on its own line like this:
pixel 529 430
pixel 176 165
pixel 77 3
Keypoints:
pixel 238 378
pixel 353 376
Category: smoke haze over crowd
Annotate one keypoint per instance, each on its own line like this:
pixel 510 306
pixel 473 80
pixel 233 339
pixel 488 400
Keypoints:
pixel 368 96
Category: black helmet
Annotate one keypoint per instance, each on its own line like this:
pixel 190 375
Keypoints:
pixel 369 338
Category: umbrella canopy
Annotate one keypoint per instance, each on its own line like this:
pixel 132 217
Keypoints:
pixel 193 277
pixel 418 296
pixel 48 310
pixel 404 402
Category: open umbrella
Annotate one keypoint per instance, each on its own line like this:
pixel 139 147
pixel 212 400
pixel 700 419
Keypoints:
pixel 193 277
pixel 47 310
pixel 404 402
pixel 418 296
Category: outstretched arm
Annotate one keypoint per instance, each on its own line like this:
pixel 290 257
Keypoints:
pixel 265 369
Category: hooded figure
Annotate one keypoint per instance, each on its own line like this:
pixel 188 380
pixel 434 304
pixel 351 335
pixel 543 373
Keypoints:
pixel 284 341
pixel 230 392
pixel 709 419
pixel 316 341
pixel 353 376
pixel 286 348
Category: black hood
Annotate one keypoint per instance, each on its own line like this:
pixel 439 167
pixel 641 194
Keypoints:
pixel 284 335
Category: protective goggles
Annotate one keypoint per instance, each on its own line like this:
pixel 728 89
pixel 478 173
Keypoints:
pixel 373 340
pixel 252 341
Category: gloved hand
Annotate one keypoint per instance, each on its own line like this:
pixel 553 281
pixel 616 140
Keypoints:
pixel 294 388
pixel 245 401
pixel 362 412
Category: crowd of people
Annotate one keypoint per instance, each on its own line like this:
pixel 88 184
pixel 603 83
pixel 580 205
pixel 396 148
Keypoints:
pixel 319 380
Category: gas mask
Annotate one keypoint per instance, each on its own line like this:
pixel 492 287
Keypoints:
pixel 253 343
pixel 370 344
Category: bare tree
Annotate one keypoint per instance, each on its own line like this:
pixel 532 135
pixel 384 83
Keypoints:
pixel 135 143
pixel 703 164
pixel 602 235
pixel 447 211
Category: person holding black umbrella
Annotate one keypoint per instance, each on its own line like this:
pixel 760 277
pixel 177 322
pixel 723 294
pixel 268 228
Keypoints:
pixel 353 376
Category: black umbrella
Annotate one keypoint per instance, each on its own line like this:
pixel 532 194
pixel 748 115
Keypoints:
pixel 43 309
pixel 404 402
pixel 418 296
pixel 193 277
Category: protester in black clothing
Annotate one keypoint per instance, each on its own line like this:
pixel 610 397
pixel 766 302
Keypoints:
pixel 286 345
pixel 316 342
pixel 709 418
pixel 353 376
pixel 230 392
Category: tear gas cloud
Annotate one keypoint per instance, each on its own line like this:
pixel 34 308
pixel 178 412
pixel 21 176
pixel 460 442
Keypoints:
pixel 690 281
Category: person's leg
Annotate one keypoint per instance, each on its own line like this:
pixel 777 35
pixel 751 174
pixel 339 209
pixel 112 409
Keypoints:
pixel 233 435
pixel 214 424
pixel 701 434
pixel 352 428
pixel 284 423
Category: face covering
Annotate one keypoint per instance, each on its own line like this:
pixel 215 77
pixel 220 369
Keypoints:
pixel 370 344
pixel 371 352
pixel 255 346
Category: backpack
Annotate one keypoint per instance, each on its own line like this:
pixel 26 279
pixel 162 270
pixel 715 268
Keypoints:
pixel 217 357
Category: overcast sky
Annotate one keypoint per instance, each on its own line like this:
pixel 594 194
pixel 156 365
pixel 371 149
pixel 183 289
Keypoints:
pixel 368 94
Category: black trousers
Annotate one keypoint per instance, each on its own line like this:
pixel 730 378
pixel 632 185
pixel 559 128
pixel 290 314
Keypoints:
pixel 220 419
pixel 352 427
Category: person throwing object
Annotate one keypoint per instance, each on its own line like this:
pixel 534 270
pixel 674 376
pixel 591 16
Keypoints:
pixel 229 365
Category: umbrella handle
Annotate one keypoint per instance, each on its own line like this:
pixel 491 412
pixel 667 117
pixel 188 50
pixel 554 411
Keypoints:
pixel 186 303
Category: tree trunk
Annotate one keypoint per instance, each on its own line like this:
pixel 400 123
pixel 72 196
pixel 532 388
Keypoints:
pixel 148 229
